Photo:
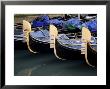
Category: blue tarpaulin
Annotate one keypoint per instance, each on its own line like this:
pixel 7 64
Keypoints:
pixel 73 22
pixel 40 33
pixel 69 24
pixel 45 17
pixel 37 23
pixel 91 25
pixel 56 22
pixel 44 21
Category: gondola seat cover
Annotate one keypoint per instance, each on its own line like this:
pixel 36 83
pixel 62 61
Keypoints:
pixel 37 34
pixel 69 43
pixel 41 35
pixel 74 43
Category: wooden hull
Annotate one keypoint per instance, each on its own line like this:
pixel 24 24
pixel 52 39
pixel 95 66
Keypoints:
pixel 39 46
pixel 91 55
pixel 67 53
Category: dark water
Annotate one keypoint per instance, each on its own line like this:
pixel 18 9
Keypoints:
pixel 46 64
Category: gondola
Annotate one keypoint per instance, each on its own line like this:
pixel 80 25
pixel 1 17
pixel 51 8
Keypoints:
pixel 63 46
pixel 71 48
pixel 37 40
pixel 40 41
pixel 66 48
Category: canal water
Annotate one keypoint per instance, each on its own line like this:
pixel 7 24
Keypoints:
pixel 46 64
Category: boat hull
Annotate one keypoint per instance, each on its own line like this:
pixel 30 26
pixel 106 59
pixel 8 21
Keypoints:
pixel 19 45
pixel 91 55
pixel 39 46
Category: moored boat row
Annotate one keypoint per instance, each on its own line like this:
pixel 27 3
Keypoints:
pixel 67 44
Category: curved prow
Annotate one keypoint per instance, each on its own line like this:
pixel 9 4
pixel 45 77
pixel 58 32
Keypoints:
pixel 86 38
pixel 86 35
pixel 53 34
pixel 26 31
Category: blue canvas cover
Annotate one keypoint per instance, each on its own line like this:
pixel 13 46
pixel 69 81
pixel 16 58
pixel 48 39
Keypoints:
pixel 45 32
pixel 44 17
pixel 56 22
pixel 74 22
pixel 37 23
pixel 41 35
pixel 37 34
pixel 91 25
pixel 42 21
pixel 65 41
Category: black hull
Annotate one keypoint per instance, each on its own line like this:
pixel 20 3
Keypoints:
pixel 91 55
pixel 67 53
pixel 39 46
pixel 19 45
